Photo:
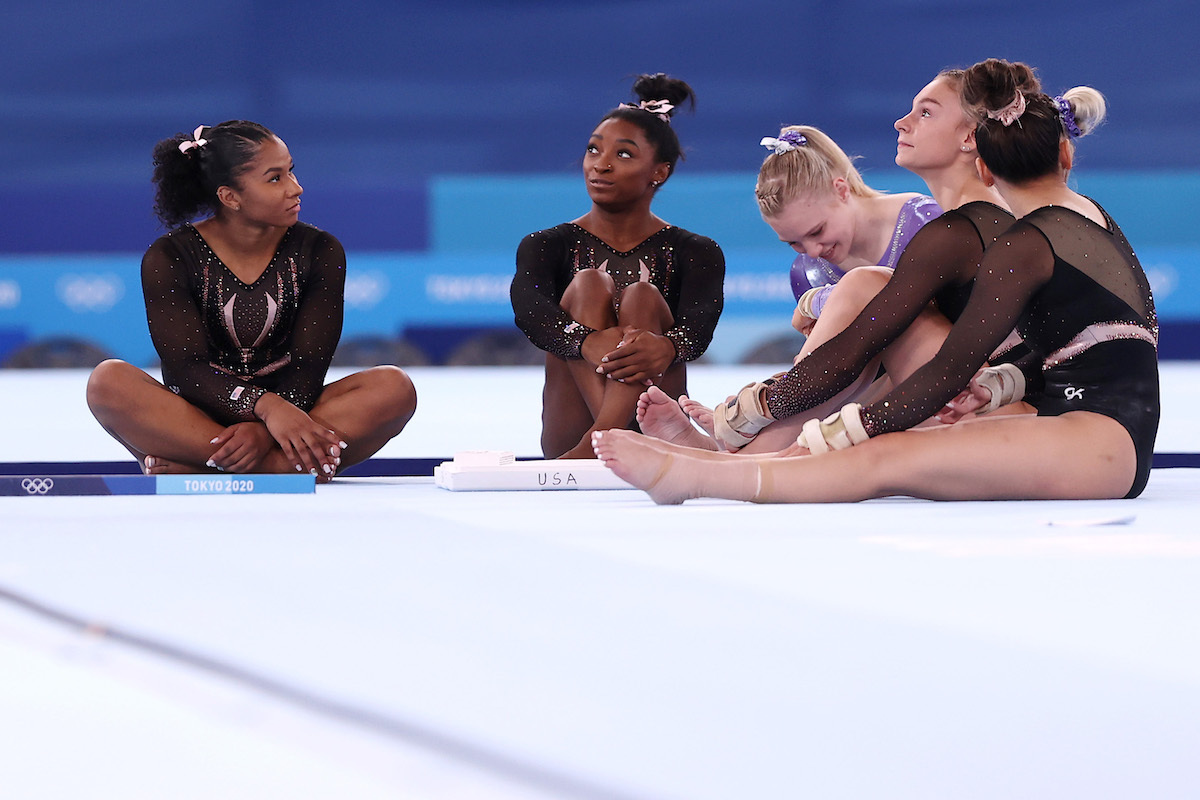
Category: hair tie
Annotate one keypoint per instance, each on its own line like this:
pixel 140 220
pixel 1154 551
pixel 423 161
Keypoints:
pixel 659 108
pixel 1010 113
pixel 786 143
pixel 1068 117
pixel 195 142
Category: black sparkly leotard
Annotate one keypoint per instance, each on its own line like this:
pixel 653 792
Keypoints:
pixel 1082 303
pixel 939 264
pixel 224 343
pixel 687 268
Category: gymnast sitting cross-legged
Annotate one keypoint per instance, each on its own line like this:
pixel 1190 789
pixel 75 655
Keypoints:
pixel 245 311
pixel 898 318
pixel 1063 274
pixel 618 298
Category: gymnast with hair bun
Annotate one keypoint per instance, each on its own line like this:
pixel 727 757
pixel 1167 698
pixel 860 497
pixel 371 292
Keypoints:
pixel 245 311
pixel 898 318
pixel 1064 275
pixel 618 298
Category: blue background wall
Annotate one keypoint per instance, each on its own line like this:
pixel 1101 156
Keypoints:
pixel 430 136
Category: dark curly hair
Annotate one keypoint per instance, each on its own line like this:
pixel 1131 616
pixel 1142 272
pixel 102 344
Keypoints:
pixel 186 183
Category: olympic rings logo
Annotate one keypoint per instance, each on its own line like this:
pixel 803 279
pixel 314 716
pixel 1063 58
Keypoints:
pixel 37 485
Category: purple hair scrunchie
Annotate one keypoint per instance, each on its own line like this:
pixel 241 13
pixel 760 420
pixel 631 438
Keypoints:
pixel 1068 117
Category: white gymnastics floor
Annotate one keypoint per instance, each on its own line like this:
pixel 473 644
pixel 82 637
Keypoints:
pixel 386 638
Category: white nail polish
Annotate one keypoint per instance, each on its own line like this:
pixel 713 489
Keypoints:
pixel 210 463
pixel 299 468
pixel 343 445
pixel 328 469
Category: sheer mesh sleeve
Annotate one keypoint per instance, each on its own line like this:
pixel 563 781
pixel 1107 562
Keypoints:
pixel 535 294
pixel 944 251
pixel 701 266
pixel 318 325
pixel 1012 271
pixel 179 335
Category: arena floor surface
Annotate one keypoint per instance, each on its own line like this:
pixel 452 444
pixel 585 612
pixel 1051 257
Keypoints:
pixel 387 638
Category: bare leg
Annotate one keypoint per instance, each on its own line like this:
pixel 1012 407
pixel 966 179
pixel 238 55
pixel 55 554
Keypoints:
pixel 367 409
pixel 642 306
pixel 149 419
pixel 573 392
pixel 1079 455
pixel 671 474
pixel 847 300
pixel 565 413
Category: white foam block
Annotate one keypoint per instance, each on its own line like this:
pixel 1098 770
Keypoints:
pixel 557 475
pixel 484 458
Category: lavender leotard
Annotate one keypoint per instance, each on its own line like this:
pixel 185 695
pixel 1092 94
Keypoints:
pixel 811 271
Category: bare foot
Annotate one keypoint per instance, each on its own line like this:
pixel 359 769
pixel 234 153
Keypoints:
pixel 157 465
pixel 700 414
pixel 662 418
pixel 639 460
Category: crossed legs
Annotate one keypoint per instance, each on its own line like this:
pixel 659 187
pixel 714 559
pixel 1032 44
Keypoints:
pixel 365 409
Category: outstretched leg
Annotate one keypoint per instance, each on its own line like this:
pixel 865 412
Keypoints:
pixel 1079 455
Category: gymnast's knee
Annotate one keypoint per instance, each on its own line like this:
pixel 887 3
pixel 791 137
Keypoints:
pixel 590 286
pixel 108 385
pixel 395 390
pixel 641 304
pixel 858 286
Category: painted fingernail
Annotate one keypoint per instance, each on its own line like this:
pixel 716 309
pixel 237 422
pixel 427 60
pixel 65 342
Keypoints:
pixel 605 359
pixel 328 469
pixel 333 451
pixel 313 472
pixel 343 445
pixel 149 461
pixel 600 370
pixel 214 440
pixel 299 468
pixel 210 463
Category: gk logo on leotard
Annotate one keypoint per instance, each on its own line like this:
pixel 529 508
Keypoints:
pixel 1073 394
pixel 37 485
